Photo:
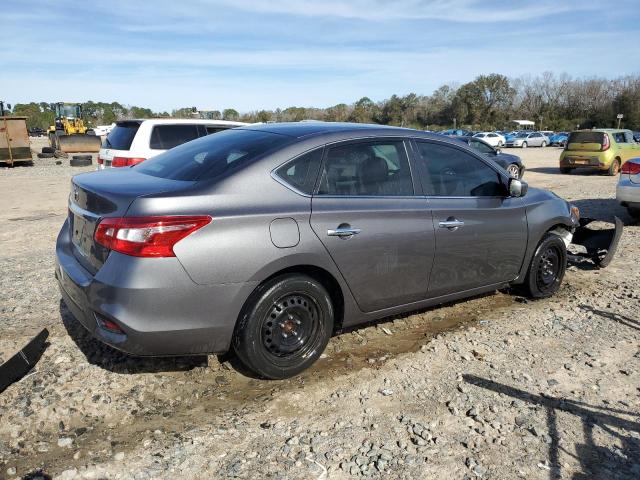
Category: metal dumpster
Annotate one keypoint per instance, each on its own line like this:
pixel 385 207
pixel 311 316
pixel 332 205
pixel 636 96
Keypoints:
pixel 14 140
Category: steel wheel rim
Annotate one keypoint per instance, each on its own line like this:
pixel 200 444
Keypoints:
pixel 291 326
pixel 548 268
pixel 513 170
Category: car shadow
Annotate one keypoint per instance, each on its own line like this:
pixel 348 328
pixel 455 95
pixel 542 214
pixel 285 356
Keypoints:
pixel 556 171
pixel 108 358
pixel 596 461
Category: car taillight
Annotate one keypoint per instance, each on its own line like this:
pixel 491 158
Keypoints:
pixel 631 167
pixel 605 142
pixel 100 160
pixel 126 161
pixel 147 236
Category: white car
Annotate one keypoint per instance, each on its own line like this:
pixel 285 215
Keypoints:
pixel 102 130
pixel 492 138
pixel 628 189
pixel 134 141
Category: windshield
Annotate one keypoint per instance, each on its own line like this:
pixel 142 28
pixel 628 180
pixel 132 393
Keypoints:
pixel 212 156
pixel 68 111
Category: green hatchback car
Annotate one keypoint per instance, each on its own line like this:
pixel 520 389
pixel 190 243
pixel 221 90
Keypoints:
pixel 604 149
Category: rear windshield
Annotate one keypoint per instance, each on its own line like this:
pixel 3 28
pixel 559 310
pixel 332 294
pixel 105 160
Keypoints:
pixel 164 137
pixel 121 136
pixel 212 156
pixel 585 137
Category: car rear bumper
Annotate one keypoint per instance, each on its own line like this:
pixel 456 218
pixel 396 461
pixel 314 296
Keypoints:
pixel 628 193
pixel 158 308
pixel 583 161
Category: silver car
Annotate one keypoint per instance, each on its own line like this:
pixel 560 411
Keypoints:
pixel 528 139
pixel 628 189
pixel 267 239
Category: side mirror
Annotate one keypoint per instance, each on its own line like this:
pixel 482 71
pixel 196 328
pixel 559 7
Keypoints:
pixel 498 151
pixel 517 188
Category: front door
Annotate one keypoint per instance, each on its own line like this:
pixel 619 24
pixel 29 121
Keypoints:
pixel 378 233
pixel 481 234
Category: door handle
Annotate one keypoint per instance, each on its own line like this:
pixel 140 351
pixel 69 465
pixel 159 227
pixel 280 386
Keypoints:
pixel 343 232
pixel 451 223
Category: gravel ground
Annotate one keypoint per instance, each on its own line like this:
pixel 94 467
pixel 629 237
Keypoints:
pixel 492 387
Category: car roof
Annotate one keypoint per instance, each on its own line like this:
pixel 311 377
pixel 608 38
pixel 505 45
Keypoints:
pixel 173 121
pixel 304 129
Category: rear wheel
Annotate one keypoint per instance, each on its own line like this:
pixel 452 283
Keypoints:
pixel 500 143
pixel 547 267
pixel 284 327
pixel 543 144
pixel 634 212
pixel 614 168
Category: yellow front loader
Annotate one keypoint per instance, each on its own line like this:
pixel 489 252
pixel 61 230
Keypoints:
pixel 69 133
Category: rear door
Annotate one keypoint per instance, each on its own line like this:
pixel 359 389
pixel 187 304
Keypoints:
pixel 378 232
pixel 481 234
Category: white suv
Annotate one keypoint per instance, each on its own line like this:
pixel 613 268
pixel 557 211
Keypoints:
pixel 134 141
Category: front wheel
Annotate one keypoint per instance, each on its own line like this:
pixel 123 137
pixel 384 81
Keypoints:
pixel 500 143
pixel 547 267
pixel 513 170
pixel 284 327
pixel 543 144
pixel 524 144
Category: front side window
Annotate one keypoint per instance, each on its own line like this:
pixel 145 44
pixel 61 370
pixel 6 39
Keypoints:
pixel 301 173
pixel 379 168
pixel 164 137
pixel 451 172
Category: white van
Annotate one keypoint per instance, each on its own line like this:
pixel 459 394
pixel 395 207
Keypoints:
pixel 134 141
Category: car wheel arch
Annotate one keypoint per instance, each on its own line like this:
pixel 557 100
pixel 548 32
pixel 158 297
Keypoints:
pixel 327 279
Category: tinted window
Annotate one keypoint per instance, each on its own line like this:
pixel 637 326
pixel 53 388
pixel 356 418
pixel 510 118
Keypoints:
pixel 302 172
pixel 451 172
pixel 619 137
pixel 212 156
pixel 371 168
pixel 211 129
pixel 585 137
pixel 121 137
pixel 480 146
pixel 164 137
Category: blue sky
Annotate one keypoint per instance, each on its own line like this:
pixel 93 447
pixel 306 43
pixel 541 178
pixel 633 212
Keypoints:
pixel 253 54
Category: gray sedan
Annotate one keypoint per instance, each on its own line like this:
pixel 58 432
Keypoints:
pixel 528 139
pixel 267 239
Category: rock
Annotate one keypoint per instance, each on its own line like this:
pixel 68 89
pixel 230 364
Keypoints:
pixel 11 471
pixel 65 442
pixel 119 456
pixel 386 392
pixel 479 470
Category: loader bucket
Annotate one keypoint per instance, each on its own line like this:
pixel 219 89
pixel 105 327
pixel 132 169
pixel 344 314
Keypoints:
pixel 600 244
pixel 79 143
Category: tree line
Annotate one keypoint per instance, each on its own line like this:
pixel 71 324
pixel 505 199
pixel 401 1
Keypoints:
pixel 489 102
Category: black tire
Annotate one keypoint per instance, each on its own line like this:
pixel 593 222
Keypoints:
pixel 80 161
pixel 614 168
pixel 45 155
pixel 284 326
pixel 59 154
pixel 547 267
pixel 565 170
pixel 48 150
pixel 634 212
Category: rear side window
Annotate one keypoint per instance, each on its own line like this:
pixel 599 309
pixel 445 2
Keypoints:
pixel 122 135
pixel 214 155
pixel 367 169
pixel 451 172
pixel 302 172
pixel 619 137
pixel 164 137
